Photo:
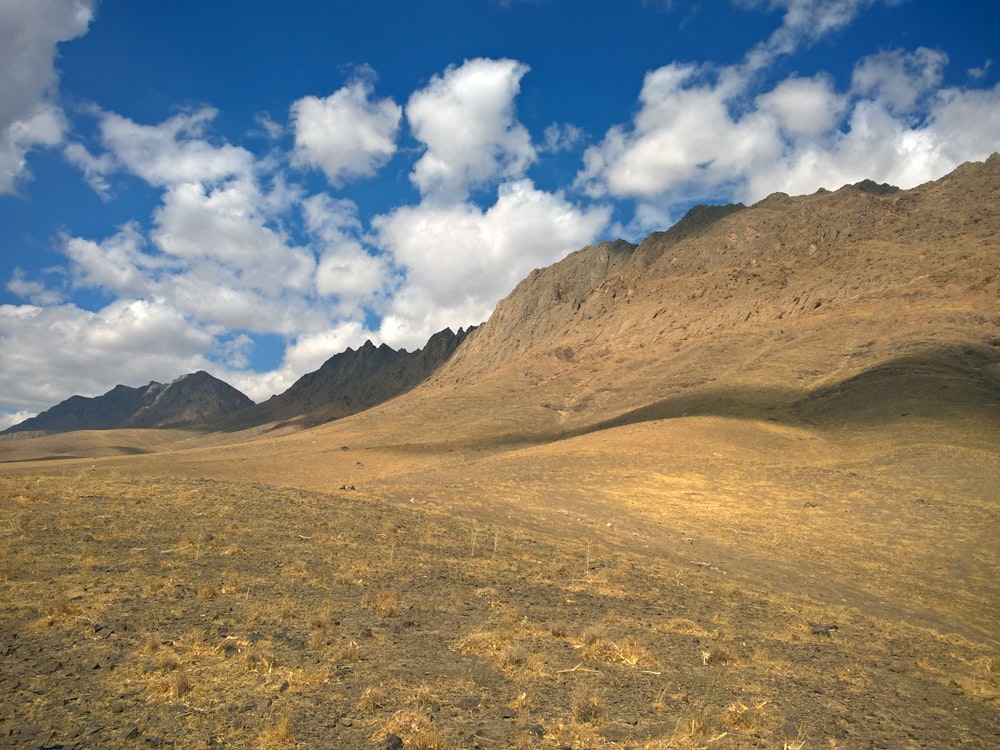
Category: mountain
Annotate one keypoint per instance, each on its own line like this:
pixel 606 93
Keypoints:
pixel 352 381
pixel 189 399
pixel 863 302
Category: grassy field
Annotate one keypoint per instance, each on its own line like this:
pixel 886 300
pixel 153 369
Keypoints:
pixel 594 592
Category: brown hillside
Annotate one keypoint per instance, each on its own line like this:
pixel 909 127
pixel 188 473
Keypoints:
pixel 754 312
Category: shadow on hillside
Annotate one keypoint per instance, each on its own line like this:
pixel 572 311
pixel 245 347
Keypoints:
pixel 945 383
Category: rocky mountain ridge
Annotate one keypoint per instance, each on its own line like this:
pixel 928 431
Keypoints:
pixel 189 399
pixel 749 310
pixel 348 382
pixel 352 381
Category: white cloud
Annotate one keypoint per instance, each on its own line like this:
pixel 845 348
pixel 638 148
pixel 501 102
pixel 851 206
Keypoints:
pixel 459 260
pixel 804 107
pixel 225 225
pixel 175 151
pixel 718 134
pixel 29 115
pixel 898 79
pixel 804 23
pixel 268 127
pixel 95 168
pixel 117 265
pixel 35 292
pixel 347 134
pixel 562 137
pixel 350 273
pixel 684 135
pixel 43 126
pixel 84 352
pixel 355 276
pixel 980 71
pixel 9 419
pixel 466 119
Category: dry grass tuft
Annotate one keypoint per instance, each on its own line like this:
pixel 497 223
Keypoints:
pixel 559 629
pixel 415 729
pixel 424 695
pixel 587 705
pixel 515 656
pixel 280 733
pixel 374 698
pixel 61 607
pixel 259 657
pixel 684 626
pixel 173 687
pixel 386 604
pixel 208 592
pixel 168 661
pixel 748 719
pixel 716 655
pixel 348 652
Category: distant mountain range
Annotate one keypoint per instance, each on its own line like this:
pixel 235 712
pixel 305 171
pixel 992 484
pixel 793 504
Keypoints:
pixel 189 399
pixel 877 300
pixel 345 384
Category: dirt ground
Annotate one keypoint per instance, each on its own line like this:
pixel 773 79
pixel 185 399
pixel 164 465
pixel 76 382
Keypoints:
pixel 582 594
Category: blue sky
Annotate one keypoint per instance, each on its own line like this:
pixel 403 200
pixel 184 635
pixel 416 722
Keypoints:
pixel 251 187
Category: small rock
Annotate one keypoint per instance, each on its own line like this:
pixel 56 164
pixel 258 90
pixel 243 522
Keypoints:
pixel 508 713
pixel 536 729
pixel 392 742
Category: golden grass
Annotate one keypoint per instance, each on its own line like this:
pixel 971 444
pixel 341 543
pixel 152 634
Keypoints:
pixel 432 643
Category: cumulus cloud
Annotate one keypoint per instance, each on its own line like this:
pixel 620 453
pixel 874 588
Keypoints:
pixel 37 292
pixel 804 22
pixel 117 264
pixel 95 168
pixel 466 120
pixel 174 151
pixel 719 134
pixel 459 259
pixel 347 134
pixel 29 114
pixel 129 341
pixel 348 271
pixel 980 71
pixel 803 107
pixel 899 80
pixel 225 225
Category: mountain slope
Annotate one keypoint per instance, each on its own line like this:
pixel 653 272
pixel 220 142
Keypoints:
pixel 352 381
pixel 189 399
pixel 742 310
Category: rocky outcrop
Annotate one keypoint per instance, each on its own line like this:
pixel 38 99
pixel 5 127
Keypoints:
pixel 197 397
pixel 352 381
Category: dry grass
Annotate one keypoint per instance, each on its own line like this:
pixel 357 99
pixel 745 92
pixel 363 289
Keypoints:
pixel 278 734
pixel 432 645
pixel 415 729
pixel 587 705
